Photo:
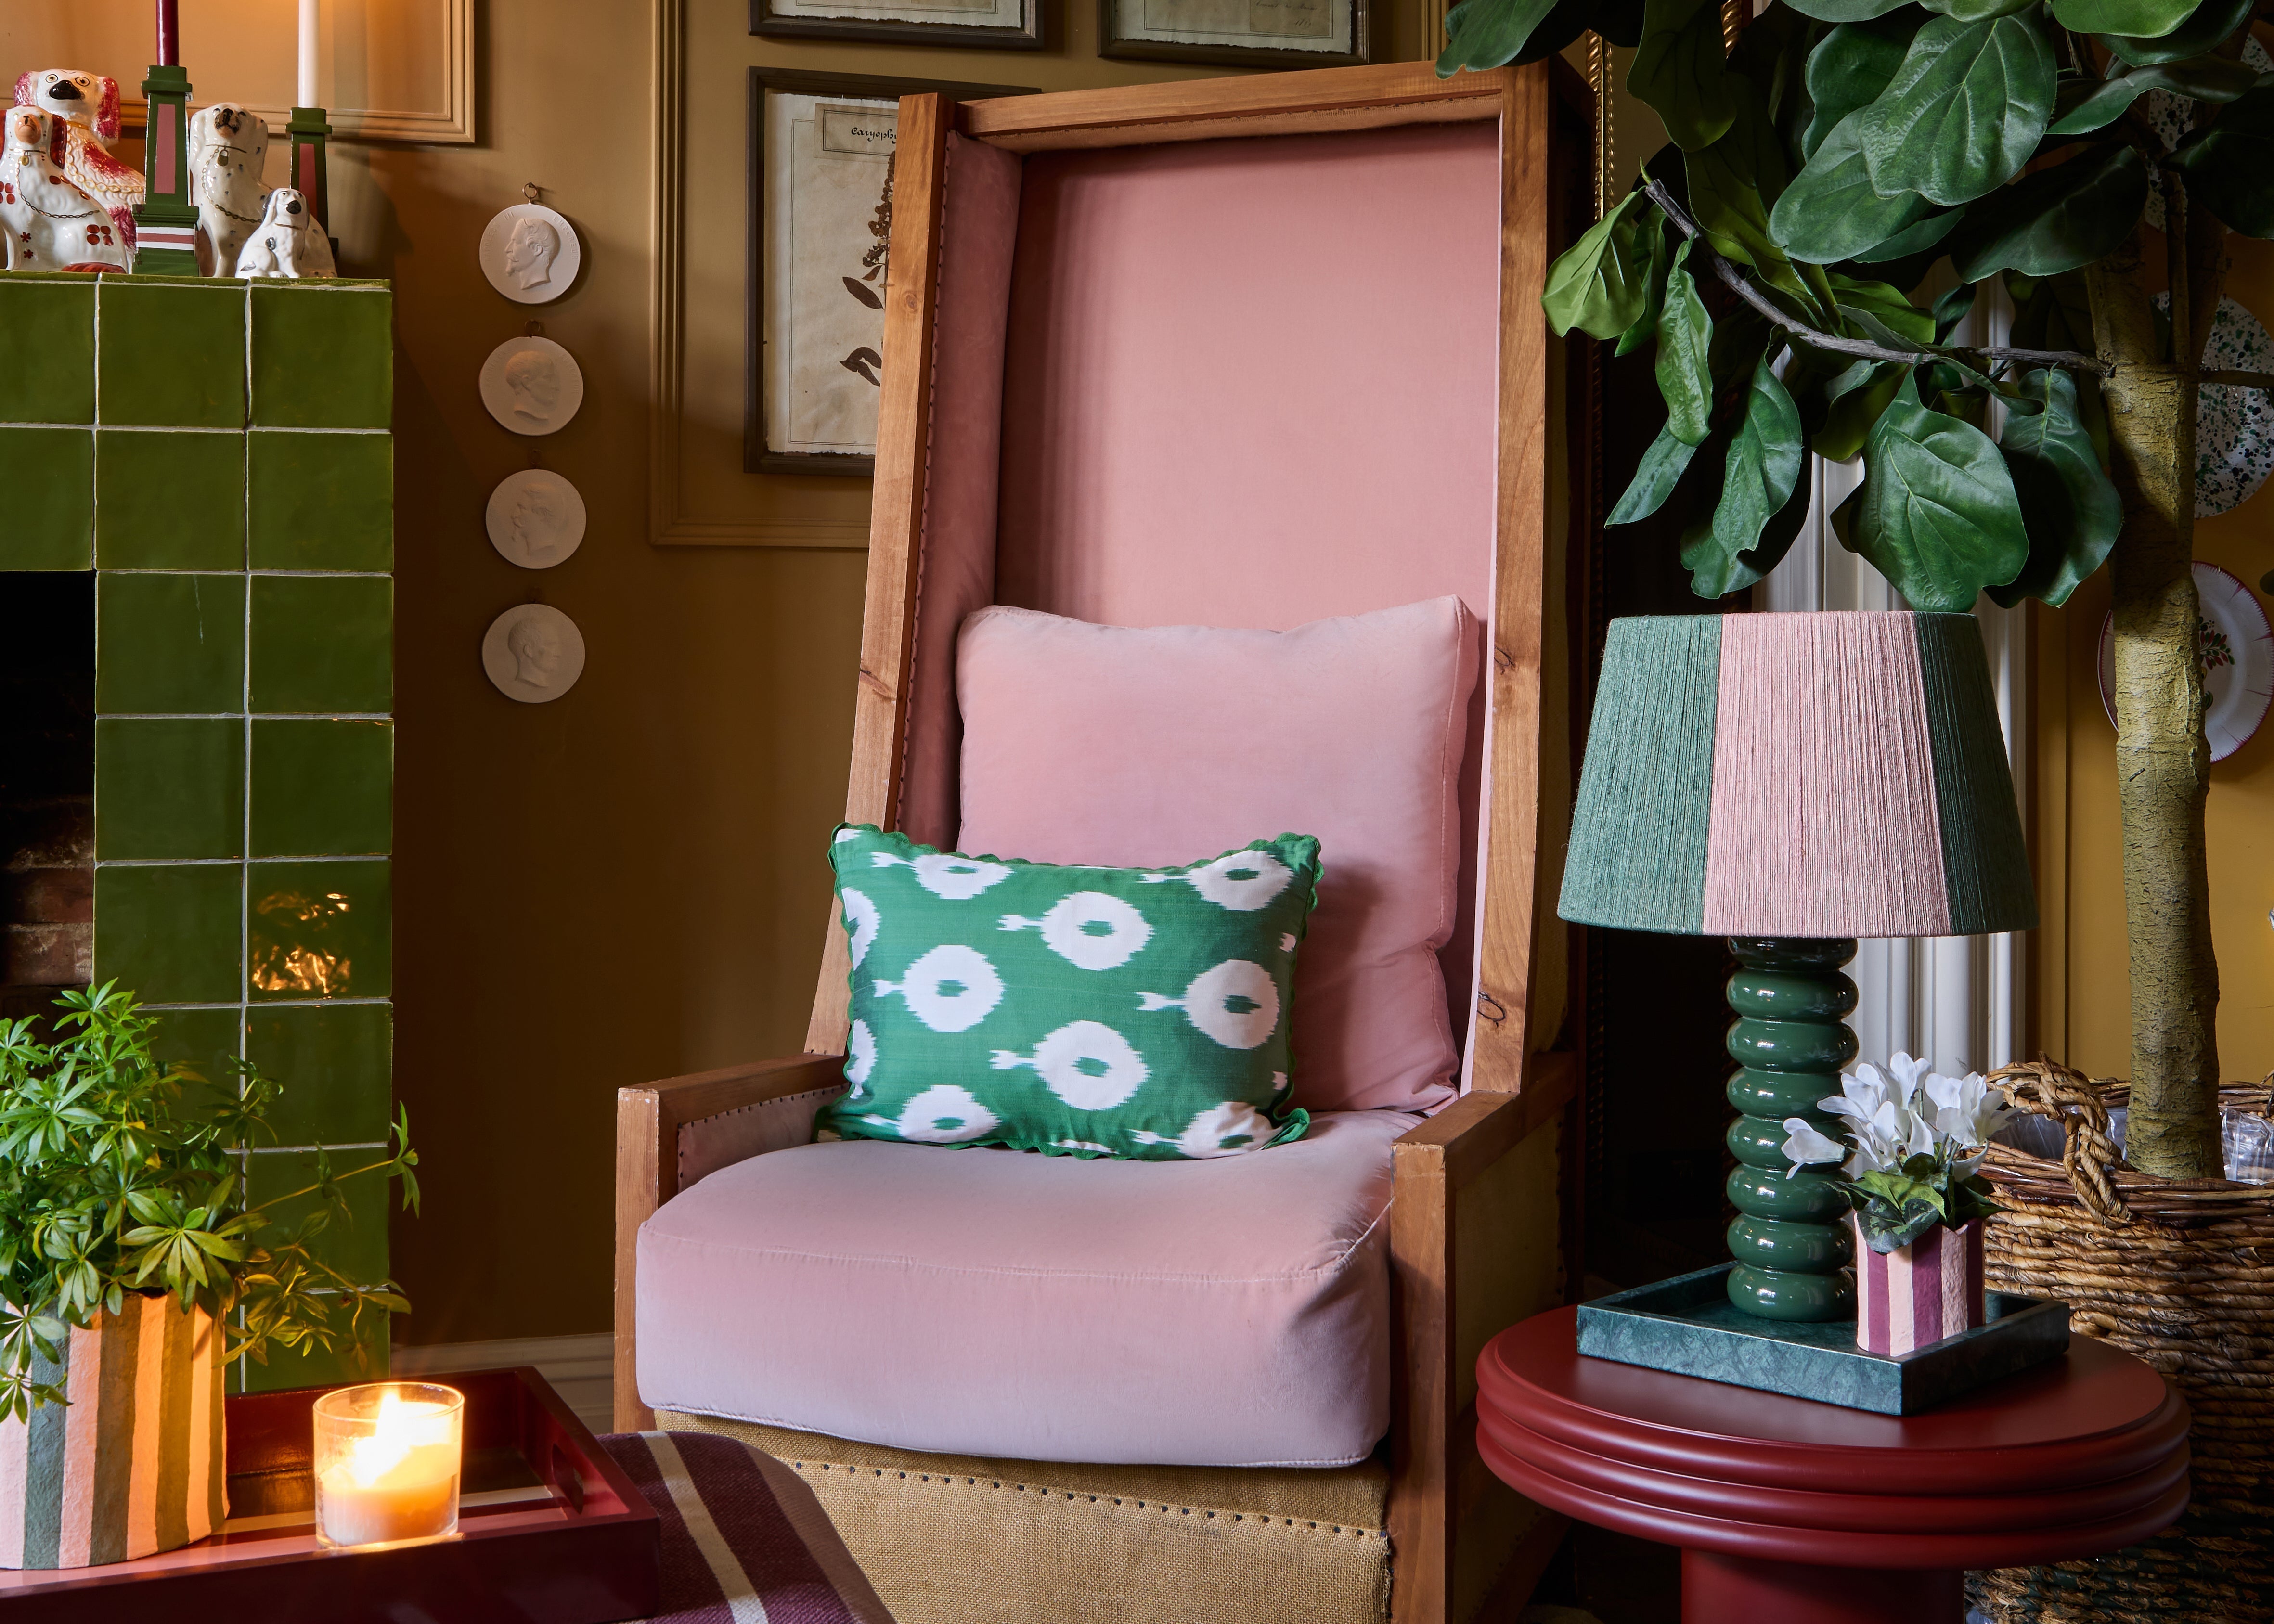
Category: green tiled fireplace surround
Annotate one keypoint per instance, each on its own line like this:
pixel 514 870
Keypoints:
pixel 218 453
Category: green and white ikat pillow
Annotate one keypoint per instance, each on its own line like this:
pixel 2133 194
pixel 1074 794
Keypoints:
pixel 1082 1011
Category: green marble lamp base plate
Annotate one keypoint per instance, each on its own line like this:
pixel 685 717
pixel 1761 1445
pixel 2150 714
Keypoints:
pixel 1687 1326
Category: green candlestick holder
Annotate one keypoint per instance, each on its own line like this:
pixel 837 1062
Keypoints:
pixel 1791 1037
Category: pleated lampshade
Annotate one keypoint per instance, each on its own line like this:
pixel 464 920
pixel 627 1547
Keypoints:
pixel 1797 775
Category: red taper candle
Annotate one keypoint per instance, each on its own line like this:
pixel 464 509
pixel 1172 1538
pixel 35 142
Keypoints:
pixel 170 35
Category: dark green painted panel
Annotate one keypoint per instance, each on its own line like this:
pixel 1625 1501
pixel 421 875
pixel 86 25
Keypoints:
pixel 170 934
pixel 47 348
pixel 323 645
pixel 169 500
pixel 322 502
pixel 169 787
pixel 322 788
pixel 320 929
pixel 354 1242
pixel 323 356
pixel 169 645
pixel 335 1063
pixel 201 1039
pixel 173 354
pixel 48 474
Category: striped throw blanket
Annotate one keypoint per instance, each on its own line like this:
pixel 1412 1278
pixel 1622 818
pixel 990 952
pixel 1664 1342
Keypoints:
pixel 744 1540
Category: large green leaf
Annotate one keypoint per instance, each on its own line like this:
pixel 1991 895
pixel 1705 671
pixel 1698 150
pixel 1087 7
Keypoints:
pixel 1900 322
pixel 1936 514
pixel 2149 20
pixel 1618 20
pixel 1731 185
pixel 1915 239
pixel 2070 508
pixel 1830 213
pixel 1680 71
pixel 1644 329
pixel 2056 219
pixel 2083 105
pixel 1685 338
pixel 1965 112
pixel 2207 26
pixel 1488 34
pixel 1973 10
pixel 1662 470
pixel 1760 479
pixel 2229 164
pixel 1850 66
pixel 2205 78
pixel 1600 283
pixel 1845 11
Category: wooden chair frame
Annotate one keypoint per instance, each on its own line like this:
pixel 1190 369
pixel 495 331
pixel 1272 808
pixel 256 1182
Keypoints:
pixel 1436 1476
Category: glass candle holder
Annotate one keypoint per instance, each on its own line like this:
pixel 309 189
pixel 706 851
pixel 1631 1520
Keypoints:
pixel 386 1462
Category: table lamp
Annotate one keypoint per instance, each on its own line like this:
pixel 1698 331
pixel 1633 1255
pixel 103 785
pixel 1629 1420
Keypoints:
pixel 1793 782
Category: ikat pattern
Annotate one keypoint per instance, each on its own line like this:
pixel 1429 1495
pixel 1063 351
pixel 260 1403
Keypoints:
pixel 1081 1011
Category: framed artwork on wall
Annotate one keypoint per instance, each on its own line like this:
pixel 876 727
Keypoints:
pixel 1254 34
pixel 999 24
pixel 820 222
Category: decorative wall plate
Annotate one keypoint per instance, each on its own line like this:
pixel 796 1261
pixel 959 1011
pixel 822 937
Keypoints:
pixel 2238 655
pixel 2234 427
pixel 533 386
pixel 533 653
pixel 530 254
pixel 536 518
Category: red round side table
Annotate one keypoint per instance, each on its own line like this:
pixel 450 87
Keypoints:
pixel 1789 1512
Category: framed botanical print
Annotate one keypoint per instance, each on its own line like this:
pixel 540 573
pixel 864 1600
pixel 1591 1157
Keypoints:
pixel 1002 25
pixel 821 222
pixel 1238 34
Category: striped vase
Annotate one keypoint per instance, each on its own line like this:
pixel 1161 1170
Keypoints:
pixel 1920 1293
pixel 133 1464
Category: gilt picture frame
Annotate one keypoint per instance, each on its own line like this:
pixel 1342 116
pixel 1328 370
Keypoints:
pixel 992 25
pixel 1253 34
pixel 820 220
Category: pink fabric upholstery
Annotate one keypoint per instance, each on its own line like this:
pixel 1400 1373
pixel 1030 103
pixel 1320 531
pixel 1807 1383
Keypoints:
pixel 989 1302
pixel 979 227
pixel 1143 749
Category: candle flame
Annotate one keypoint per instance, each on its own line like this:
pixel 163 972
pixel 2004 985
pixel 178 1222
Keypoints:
pixel 402 1425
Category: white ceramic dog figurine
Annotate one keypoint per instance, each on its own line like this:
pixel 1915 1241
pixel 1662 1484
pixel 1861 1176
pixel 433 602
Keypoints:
pixel 88 104
pixel 49 223
pixel 228 146
pixel 288 242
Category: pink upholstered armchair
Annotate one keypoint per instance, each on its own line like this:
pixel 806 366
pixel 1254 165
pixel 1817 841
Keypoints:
pixel 1246 353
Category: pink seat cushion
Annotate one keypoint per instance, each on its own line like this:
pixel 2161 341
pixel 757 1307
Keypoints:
pixel 993 1302
pixel 1138 747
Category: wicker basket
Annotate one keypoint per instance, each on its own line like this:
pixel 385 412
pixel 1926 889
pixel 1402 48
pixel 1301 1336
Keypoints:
pixel 2182 1275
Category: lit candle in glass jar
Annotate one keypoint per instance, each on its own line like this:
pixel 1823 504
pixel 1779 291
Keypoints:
pixel 386 1462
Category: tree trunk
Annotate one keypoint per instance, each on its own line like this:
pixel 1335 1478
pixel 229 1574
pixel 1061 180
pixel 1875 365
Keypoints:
pixel 2162 763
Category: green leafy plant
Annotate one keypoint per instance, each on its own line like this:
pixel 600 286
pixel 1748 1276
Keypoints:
pixel 108 1186
pixel 1911 1140
pixel 1772 254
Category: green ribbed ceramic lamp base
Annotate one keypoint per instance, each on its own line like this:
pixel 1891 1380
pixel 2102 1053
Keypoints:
pixel 1791 1239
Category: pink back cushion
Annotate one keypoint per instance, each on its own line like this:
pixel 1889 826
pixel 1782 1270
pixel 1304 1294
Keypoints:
pixel 1103 744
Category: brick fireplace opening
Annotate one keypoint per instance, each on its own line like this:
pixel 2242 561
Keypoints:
pixel 46 787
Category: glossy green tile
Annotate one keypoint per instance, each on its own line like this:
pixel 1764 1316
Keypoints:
pixel 169 500
pixel 173 354
pixel 322 502
pixel 48 474
pixel 46 349
pixel 169 645
pixel 202 1041
pixel 323 645
pixel 169 787
pixel 170 934
pixel 355 1242
pixel 322 787
pixel 323 355
pixel 320 929
pixel 336 1066
pixel 359 1357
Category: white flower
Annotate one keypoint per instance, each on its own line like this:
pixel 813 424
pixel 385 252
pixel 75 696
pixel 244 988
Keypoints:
pixel 1806 1146
pixel 1908 1073
pixel 1968 1111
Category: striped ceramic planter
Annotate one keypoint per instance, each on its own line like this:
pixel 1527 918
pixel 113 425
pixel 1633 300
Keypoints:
pixel 1920 1293
pixel 133 1464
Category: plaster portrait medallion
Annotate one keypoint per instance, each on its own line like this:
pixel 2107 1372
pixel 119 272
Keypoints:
pixel 533 386
pixel 536 518
pixel 533 653
pixel 530 254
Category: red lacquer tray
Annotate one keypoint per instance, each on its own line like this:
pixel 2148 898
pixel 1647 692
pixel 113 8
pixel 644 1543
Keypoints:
pixel 550 1531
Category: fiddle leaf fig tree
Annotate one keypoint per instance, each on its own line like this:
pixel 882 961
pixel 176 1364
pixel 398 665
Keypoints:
pixel 1771 256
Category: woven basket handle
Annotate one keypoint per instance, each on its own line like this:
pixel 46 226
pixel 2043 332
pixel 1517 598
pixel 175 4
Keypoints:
pixel 2048 1088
